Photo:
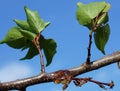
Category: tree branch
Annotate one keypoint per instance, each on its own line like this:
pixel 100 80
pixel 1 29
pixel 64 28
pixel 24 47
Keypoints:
pixel 49 77
pixel 107 60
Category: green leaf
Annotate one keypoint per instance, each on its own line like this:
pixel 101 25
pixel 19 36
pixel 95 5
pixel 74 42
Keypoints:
pixel 27 45
pixel 87 12
pixel 35 22
pixel 22 24
pixel 17 44
pixel 103 18
pixel 49 47
pixel 13 34
pixel 14 38
pixel 31 52
pixel 101 37
pixel 82 17
pixel 28 35
pixel 107 7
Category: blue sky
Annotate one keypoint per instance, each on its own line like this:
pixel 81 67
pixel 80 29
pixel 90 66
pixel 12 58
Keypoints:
pixel 71 38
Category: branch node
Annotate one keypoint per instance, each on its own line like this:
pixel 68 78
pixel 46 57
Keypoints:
pixel 63 77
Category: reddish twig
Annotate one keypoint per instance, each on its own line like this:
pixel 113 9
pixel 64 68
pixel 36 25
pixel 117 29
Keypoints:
pixel 101 84
pixel 81 81
pixel 36 42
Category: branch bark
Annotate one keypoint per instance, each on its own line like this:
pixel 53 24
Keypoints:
pixel 49 77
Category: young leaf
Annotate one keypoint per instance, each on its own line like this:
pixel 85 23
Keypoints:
pixel 14 38
pixel 17 44
pixel 35 22
pixel 107 7
pixel 27 34
pixel 49 48
pixel 82 17
pixel 22 24
pixel 13 34
pixel 101 37
pixel 31 53
pixel 103 18
pixel 87 12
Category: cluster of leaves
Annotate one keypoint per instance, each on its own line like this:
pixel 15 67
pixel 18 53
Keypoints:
pixel 22 36
pixel 94 16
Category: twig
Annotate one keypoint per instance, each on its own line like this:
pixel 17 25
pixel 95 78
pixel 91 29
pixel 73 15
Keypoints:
pixel 36 42
pixel 89 48
pixel 101 84
pixel 93 29
pixel 81 81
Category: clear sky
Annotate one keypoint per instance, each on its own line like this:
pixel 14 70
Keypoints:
pixel 71 38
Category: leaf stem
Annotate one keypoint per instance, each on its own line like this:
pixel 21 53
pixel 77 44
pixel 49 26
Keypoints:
pixel 36 41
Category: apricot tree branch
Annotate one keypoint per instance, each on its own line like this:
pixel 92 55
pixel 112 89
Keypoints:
pixel 49 77
pixel 107 60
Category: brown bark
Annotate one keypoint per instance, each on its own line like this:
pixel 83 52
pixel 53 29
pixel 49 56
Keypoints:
pixel 50 77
